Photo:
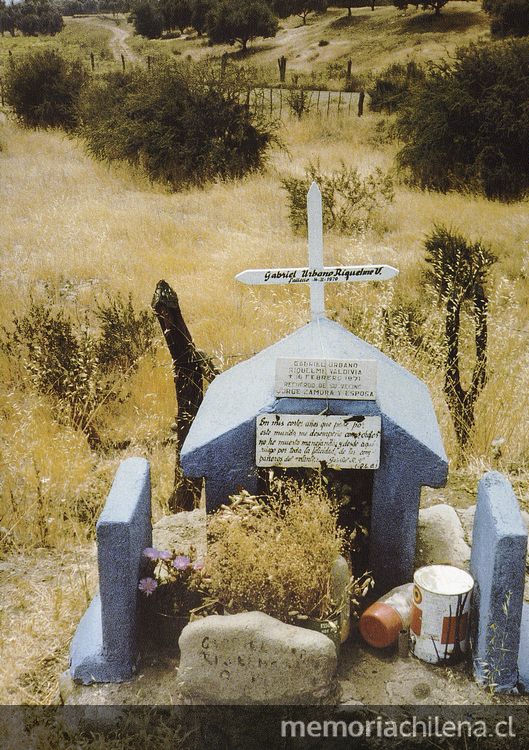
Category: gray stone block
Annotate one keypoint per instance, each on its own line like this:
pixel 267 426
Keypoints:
pixel 499 545
pixel 440 538
pixel 104 648
pixel 523 654
pixel 252 658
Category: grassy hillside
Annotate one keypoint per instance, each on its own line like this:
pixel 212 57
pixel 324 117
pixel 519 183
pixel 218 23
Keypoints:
pixel 372 40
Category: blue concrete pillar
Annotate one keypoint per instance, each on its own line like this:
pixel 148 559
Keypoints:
pixel 104 648
pixel 497 563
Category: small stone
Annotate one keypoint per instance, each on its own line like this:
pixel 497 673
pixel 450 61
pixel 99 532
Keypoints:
pixel 181 531
pixel 252 658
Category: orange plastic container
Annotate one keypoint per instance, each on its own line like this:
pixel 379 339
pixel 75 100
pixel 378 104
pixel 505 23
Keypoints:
pixel 382 622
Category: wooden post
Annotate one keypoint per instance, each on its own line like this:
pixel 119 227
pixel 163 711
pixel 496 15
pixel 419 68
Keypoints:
pixel 350 102
pixel 271 100
pixel 361 98
pixel 223 64
pixel 328 103
pixel 188 371
pixel 318 102
pixel 2 92
pixel 282 64
pixel 92 61
pixel 348 74
pixel 148 62
pixel 280 102
pixel 339 102
pixel 123 61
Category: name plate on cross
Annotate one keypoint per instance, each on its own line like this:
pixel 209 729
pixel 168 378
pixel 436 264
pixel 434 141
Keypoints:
pixel 342 442
pixel 316 274
pixel 346 379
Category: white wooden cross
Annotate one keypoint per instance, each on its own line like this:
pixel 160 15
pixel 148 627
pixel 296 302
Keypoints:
pixel 317 275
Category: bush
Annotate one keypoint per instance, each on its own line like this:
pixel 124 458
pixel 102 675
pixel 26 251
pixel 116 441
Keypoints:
pixel 182 125
pixel 508 17
pixel 44 89
pixel 232 21
pixel 467 125
pixel 275 554
pixel 350 201
pixel 148 19
pixel 392 86
pixel 75 366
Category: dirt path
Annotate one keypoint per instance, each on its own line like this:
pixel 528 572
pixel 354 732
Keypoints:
pixel 120 34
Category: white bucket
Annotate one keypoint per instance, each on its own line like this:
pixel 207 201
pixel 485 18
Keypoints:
pixel 440 613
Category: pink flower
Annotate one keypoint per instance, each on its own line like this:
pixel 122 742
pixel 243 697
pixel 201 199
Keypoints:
pixel 151 553
pixel 181 562
pixel 147 586
pixel 164 555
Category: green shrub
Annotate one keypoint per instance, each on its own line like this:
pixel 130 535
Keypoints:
pixel 392 86
pixel 467 124
pixel 78 367
pixel 44 89
pixel 350 201
pixel 508 17
pixel 182 125
pixel 299 101
pixel 148 19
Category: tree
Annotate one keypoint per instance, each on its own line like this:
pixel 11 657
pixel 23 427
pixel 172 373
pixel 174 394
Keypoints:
pixel 508 17
pixel 231 21
pixel 181 124
pixel 301 8
pixel 199 12
pixel 148 19
pixel 434 5
pixel 391 87
pixel 177 14
pixel 458 272
pixel 34 17
pixel 7 19
pixel 466 125
pixel 44 89
pixel 349 4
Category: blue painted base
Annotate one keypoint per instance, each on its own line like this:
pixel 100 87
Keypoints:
pixel 523 654
pixel 88 664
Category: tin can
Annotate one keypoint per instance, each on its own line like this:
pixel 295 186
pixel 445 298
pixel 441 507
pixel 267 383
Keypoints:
pixel 439 624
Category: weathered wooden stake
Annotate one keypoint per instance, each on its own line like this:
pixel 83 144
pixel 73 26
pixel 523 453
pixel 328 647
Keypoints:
pixel 189 368
pixel 148 62
pixel 223 64
pixel 92 61
pixel 282 63
pixel 318 101
pixel 328 103
pixel 271 100
pixel 339 102
pixel 361 98
pixel 123 61
pixel 349 69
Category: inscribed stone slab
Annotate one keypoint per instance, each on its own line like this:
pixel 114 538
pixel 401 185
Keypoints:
pixel 306 440
pixel 326 378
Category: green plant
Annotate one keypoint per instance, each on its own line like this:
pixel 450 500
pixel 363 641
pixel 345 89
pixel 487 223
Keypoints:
pixel 182 124
pixel 231 21
pixel 350 201
pixel 275 554
pixel 392 85
pixel 508 17
pixel 466 125
pixel 44 89
pixel 458 271
pixel 148 19
pixel 77 368
pixel 169 581
pixel 299 101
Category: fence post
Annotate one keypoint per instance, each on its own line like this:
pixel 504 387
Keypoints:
pixel 339 102
pixel 361 98
pixel 280 102
pixel 318 102
pixel 282 63
pixel 223 64
pixel 123 61
pixel 348 75
pixel 328 103
pixel 271 100
pixel 92 61
pixel 148 62
pixel 350 102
